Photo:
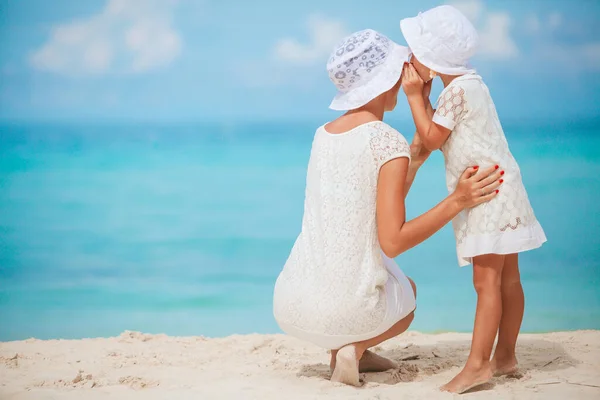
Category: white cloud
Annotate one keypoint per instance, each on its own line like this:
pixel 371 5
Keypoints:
pixel 471 8
pixel 536 23
pixel 496 41
pixel 577 57
pixel 126 36
pixel 555 20
pixel 292 57
pixel 324 34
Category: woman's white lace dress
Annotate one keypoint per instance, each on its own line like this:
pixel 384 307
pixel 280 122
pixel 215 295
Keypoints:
pixel 507 223
pixel 337 287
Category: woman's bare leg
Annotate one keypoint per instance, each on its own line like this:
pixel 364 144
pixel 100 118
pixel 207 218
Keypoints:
pixel 371 362
pixel 513 306
pixel 346 361
pixel 487 278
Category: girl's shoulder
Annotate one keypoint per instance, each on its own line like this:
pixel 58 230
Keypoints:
pixel 469 83
pixel 463 87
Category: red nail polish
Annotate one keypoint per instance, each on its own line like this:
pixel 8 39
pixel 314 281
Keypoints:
pixel 475 167
pixel 501 172
pixel 496 167
pixel 501 180
pixel 497 191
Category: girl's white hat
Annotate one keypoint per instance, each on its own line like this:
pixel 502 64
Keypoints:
pixel 365 65
pixel 442 39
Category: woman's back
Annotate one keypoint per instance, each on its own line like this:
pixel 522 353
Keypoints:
pixel 333 279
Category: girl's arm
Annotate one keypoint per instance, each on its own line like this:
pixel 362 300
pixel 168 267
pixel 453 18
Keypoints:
pixel 432 134
pixel 395 234
pixel 418 152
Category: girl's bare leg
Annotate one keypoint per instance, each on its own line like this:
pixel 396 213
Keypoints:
pixel 513 306
pixel 346 362
pixel 487 278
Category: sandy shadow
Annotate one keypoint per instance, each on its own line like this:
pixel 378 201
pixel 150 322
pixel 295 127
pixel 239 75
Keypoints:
pixel 538 355
pixel 413 362
pixel 419 362
pixel 320 371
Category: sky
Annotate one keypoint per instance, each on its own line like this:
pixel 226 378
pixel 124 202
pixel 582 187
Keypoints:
pixel 208 60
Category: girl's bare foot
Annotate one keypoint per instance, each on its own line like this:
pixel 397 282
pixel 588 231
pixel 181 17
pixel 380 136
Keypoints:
pixel 469 378
pixel 504 366
pixel 346 366
pixel 369 362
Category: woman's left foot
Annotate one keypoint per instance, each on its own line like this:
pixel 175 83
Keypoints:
pixel 369 362
pixel 346 367
pixel 469 378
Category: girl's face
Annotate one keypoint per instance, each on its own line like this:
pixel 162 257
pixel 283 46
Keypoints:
pixel 422 70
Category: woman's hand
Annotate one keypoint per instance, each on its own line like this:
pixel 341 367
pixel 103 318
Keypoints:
pixel 395 234
pixel 412 84
pixel 475 188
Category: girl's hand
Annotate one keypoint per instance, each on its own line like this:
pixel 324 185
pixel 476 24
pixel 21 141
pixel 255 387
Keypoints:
pixel 427 90
pixel 412 84
pixel 475 188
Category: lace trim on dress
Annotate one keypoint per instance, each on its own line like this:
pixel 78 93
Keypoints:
pixel 513 227
pixel 387 143
pixel 452 104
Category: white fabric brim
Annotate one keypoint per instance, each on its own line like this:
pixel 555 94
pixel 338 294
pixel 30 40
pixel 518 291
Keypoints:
pixel 411 30
pixel 385 79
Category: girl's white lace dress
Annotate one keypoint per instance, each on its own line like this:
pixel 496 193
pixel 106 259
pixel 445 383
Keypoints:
pixel 337 287
pixel 507 223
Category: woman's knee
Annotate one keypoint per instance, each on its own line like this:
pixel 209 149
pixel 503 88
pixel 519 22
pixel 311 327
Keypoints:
pixel 414 286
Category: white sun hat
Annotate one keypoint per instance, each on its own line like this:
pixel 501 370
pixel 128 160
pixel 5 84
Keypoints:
pixel 442 39
pixel 365 65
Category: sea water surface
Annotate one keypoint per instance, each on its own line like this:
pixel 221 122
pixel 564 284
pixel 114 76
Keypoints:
pixel 184 229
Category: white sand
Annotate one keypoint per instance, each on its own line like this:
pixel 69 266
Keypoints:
pixel 138 366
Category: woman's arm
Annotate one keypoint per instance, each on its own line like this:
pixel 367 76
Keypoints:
pixel 395 235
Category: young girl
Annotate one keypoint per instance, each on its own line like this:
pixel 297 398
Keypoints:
pixel 467 130
pixel 340 287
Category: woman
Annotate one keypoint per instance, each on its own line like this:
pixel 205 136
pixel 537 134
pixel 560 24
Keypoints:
pixel 340 288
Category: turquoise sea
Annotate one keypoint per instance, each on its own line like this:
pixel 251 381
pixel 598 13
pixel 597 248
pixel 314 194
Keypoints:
pixel 183 229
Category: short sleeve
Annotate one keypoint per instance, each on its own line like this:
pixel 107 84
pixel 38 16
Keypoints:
pixel 452 107
pixel 387 144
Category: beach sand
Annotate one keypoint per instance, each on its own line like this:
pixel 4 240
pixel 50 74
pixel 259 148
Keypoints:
pixel 562 365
